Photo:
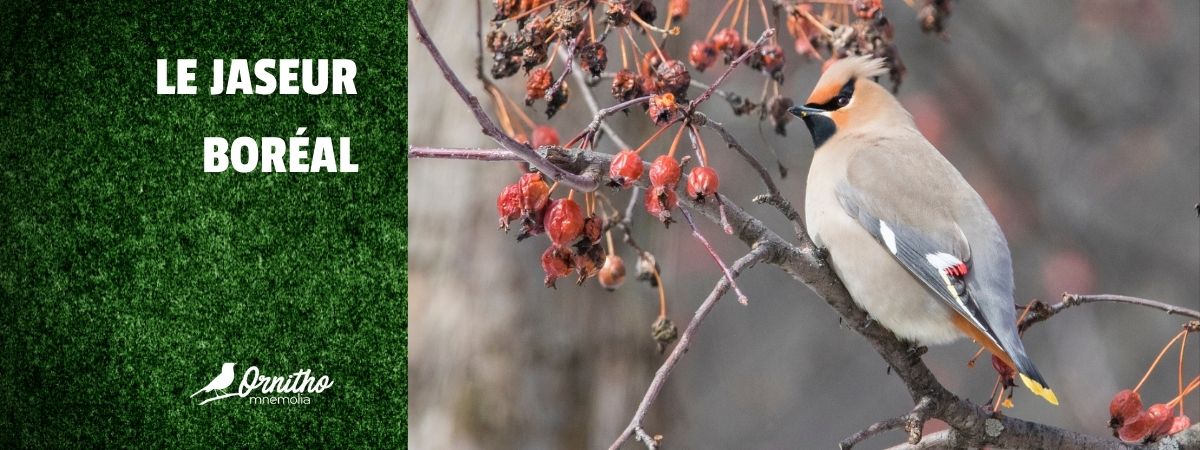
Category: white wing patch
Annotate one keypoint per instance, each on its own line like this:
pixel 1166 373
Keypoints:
pixel 889 236
pixel 941 261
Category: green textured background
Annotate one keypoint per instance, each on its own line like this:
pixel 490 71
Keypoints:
pixel 128 275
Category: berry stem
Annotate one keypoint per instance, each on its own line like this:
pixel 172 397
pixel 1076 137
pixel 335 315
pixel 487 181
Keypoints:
pixel 713 29
pixel 652 138
pixel 662 294
pixel 1182 345
pixel 637 50
pixel 762 6
pixel 531 11
pixel 699 144
pixel 1192 385
pixel 624 62
pixel 675 142
pixel 746 21
pixel 737 13
pixel 724 269
pixel 1158 358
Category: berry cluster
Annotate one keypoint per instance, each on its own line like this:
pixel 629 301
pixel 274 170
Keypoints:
pixel 1131 423
pixel 854 28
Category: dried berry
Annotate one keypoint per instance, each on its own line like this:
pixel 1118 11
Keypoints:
pixel 1006 372
pixel 771 60
pixel 535 193
pixel 646 11
pixel 665 171
pixel 564 221
pixel 662 108
pixel 646 268
pixel 533 56
pixel 565 21
pixel 702 55
pixel 678 9
pixel 544 135
pixel 702 183
pixel 536 85
pixel 588 261
pixel 625 169
pixel 1160 420
pixel 556 262
pixel 729 42
pixel 1125 405
pixel 1136 428
pixel 612 273
pixel 508 205
pixel 867 9
pixel 496 40
pixel 506 9
pixel 664 332
pixel 660 200
pixel 593 228
pixel 671 76
pixel 618 12
pixel 778 110
pixel 593 57
pixel 626 86
pixel 649 65
pixel 557 100
pixel 933 16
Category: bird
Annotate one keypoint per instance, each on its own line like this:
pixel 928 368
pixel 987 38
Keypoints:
pixel 914 244
pixel 221 382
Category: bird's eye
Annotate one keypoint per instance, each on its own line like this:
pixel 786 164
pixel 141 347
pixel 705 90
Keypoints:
pixel 842 101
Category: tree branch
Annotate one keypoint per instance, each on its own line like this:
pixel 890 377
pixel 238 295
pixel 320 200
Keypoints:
pixel 1040 311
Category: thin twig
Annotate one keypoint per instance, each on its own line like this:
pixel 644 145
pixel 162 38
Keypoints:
pixel 757 253
pixel 590 99
pixel 732 65
pixel 590 131
pixel 1038 314
pixel 712 252
pixel 912 423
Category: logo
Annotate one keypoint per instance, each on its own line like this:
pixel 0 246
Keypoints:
pixel 298 385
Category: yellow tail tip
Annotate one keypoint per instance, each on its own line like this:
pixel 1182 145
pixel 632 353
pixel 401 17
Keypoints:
pixel 1039 390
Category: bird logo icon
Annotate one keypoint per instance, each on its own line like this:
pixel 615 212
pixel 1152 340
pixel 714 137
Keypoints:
pixel 221 382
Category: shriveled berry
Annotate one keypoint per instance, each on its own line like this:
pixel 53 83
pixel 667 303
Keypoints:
pixel 649 64
pixel 702 183
pixel 660 201
pixel 1160 420
pixel 506 9
pixel 626 86
pixel 1125 405
pixel 625 169
pixel 593 57
pixel 662 108
pixel 729 42
pixel 593 228
pixel 556 262
pixel 612 273
pixel 564 221
pixel 702 55
pixel 588 261
pixel 673 77
pixel 508 205
pixel 536 85
pixel 544 135
pixel 678 9
pixel 646 11
pixel 557 100
pixel 617 13
pixel 778 111
pixel 1005 371
pixel 1136 428
pixel 646 268
pixel 535 193
pixel 665 171
pixel 772 61
pixel 867 9
pixel 496 40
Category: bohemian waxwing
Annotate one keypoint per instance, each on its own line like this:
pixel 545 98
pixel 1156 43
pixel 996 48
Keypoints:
pixel 914 244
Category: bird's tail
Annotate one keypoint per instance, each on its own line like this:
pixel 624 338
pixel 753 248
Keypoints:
pixel 1015 354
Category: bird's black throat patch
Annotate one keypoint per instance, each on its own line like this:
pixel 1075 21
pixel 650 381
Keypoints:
pixel 821 128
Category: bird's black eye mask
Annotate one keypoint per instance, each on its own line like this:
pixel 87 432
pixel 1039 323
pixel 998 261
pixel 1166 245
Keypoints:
pixel 838 101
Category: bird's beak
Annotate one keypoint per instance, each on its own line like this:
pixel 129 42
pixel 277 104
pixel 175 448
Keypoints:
pixel 805 111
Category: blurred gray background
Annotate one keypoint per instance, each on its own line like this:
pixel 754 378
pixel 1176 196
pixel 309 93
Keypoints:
pixel 1078 122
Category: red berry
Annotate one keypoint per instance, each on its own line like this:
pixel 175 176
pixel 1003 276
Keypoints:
pixel 662 108
pixel 665 171
pixel 1006 371
pixel 650 62
pixel 593 228
pixel 612 274
pixel 1160 420
pixel 772 58
pixel 625 169
pixel 866 9
pixel 1135 428
pixel 728 41
pixel 702 182
pixel 564 221
pixel 535 193
pixel 556 262
pixel 659 203
pixel 1125 405
pixel 587 262
pixel 508 204
pixel 678 9
pixel 673 77
pixel 626 86
pixel 536 85
pixel 702 55
pixel 1178 424
pixel 544 135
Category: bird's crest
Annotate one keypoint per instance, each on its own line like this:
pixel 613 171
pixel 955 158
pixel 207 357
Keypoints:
pixel 843 70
